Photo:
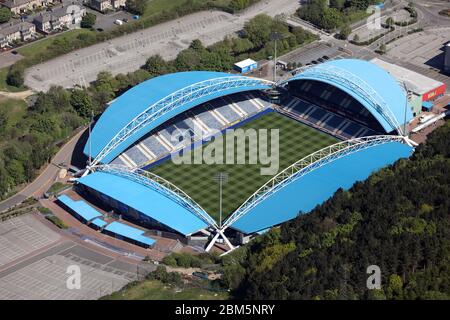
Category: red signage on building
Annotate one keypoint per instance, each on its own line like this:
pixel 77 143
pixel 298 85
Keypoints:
pixel 433 94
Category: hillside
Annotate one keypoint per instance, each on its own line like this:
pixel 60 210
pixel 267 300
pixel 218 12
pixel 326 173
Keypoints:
pixel 398 219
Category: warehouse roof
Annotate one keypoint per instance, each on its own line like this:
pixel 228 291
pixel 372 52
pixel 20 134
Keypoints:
pixel 415 82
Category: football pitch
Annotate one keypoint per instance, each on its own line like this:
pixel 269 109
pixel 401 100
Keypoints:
pixel 296 141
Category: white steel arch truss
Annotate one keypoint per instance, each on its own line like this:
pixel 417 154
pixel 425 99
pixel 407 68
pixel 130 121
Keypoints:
pixel 306 165
pixel 356 84
pixel 175 100
pixel 161 185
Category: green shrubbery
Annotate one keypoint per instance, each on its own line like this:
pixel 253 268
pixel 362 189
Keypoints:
pixel 183 260
pixel 56 221
pixel 162 275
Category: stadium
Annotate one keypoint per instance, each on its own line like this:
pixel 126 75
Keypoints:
pixel 338 122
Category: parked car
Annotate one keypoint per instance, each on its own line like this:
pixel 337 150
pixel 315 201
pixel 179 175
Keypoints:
pixel 136 17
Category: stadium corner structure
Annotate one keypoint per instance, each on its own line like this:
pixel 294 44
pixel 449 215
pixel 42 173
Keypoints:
pixel 334 97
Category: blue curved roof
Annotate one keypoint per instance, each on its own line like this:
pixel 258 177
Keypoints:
pixel 377 78
pixel 136 100
pixel 145 200
pixel 305 193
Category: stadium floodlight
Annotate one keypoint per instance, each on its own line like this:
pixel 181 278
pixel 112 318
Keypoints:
pixel 221 178
pixel 406 109
pixel 275 36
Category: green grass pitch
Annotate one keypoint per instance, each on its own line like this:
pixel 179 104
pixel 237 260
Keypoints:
pixel 296 141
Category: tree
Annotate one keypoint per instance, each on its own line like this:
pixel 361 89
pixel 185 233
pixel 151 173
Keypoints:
pixel 136 6
pixel 88 20
pixel 187 59
pixel 382 49
pixel 81 102
pixel 15 76
pixel 197 45
pixel 390 21
pixel 337 4
pixel 359 4
pixel 356 38
pixel 345 32
pixel 5 14
pixel 156 65
pixel 258 29
pixel 241 45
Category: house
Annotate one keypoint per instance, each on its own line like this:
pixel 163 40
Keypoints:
pixel 58 18
pixel 22 31
pixel 3 41
pixel 105 5
pixel 22 6
pixel 117 4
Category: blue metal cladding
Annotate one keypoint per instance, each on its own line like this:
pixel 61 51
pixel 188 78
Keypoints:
pixel 302 195
pixel 80 207
pixel 370 75
pixel 136 100
pixel 145 200
pixel 129 232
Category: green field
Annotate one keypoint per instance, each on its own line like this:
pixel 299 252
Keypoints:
pixel 197 180
pixel 156 290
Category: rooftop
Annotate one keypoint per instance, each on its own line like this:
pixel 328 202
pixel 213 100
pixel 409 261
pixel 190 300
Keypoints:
pixel 14 3
pixel 245 63
pixel 129 232
pixel 13 28
pixel 52 15
pixel 414 81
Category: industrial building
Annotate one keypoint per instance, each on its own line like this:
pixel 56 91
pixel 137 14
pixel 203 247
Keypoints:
pixel 422 90
pixel 245 66
pixel 355 101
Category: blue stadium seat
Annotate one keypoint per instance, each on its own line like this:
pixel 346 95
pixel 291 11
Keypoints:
pixel 209 119
pixel 136 155
pixel 154 146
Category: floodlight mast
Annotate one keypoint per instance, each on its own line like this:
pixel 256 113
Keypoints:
pixel 406 108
